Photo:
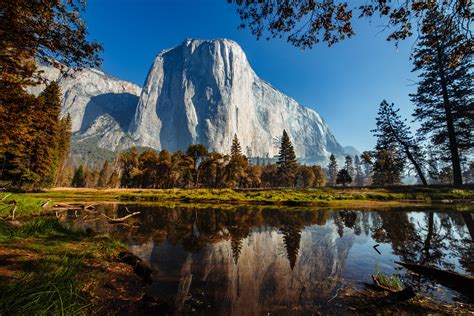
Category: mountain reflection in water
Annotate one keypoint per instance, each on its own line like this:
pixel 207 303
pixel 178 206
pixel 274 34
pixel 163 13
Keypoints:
pixel 250 260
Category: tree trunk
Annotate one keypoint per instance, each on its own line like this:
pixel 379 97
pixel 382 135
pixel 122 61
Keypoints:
pixel 416 165
pixel 453 146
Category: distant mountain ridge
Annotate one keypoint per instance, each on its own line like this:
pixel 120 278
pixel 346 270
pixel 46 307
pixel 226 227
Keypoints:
pixel 202 91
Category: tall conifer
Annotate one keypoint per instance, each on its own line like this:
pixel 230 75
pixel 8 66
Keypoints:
pixel 287 164
pixel 444 96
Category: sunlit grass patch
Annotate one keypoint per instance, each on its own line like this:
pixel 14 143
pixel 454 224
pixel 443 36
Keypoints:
pixel 55 262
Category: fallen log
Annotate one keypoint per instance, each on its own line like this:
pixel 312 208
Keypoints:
pixel 458 282
pixel 139 266
pixel 120 219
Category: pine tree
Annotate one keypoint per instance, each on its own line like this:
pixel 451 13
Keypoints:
pixel 79 179
pixel 63 147
pixel 391 129
pixel 349 166
pixel 367 161
pixel 235 149
pixel 16 134
pixel 332 170
pixel 444 97
pixel 343 177
pixel 359 175
pixel 287 164
pixel 44 150
pixel 388 167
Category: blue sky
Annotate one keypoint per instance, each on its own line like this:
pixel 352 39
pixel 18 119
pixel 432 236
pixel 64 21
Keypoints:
pixel 344 83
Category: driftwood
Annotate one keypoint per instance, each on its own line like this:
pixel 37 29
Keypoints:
pixel 13 212
pixel 458 282
pixel 120 219
pixel 46 203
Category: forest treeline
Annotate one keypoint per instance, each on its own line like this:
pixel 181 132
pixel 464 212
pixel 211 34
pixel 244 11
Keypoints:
pixel 198 168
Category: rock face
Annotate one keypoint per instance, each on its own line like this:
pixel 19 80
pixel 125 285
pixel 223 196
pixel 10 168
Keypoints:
pixel 206 91
pixel 198 92
pixel 99 105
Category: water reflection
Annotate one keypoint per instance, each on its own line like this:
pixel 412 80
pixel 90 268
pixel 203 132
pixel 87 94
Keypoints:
pixel 250 260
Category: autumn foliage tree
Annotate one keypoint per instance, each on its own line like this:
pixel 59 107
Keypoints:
pixel 307 23
pixel 50 32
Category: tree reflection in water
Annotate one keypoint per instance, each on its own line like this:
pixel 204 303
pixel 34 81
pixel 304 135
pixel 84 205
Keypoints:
pixel 250 260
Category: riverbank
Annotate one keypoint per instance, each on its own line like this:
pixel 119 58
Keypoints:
pixel 49 269
pixel 322 197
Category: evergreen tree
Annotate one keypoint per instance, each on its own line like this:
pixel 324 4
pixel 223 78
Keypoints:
pixel 367 161
pixel 387 167
pixel 237 166
pixel 343 177
pixel 44 150
pixel 63 147
pixel 79 178
pixel 349 166
pixel 332 170
pixel 47 31
pixel 391 129
pixel 359 175
pixel 235 149
pixel 287 165
pixel 16 134
pixel 444 97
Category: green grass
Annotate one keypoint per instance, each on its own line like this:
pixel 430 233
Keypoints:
pixel 54 265
pixel 50 290
pixel 29 204
pixel 26 205
pixel 392 282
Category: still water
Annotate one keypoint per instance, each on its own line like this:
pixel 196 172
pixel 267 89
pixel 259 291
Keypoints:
pixel 251 260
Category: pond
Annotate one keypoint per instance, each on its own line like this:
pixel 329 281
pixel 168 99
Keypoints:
pixel 253 260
